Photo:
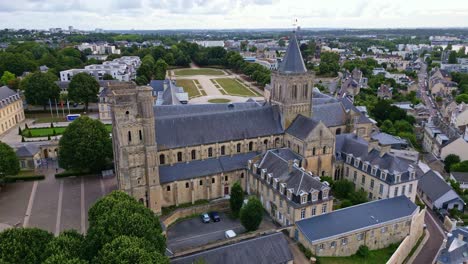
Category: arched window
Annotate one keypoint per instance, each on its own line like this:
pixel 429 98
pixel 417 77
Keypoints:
pixel 238 147
pixel 324 151
pixel 179 156
pixel 265 142
pixel 338 131
pixel 305 90
pixel 294 91
pixel 210 152
pixel 129 136
pixel 313 151
pixel 289 144
pixel 141 134
pixel 194 154
pixel 250 146
pixel 277 142
pixel 323 173
pixel 297 149
pixel 242 175
pixel 223 150
pixel 162 159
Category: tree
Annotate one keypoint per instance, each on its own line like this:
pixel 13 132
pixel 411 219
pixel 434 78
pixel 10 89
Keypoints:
pixel 7 77
pixel 329 63
pixel 452 59
pixel 83 88
pixel 363 251
pixel 24 245
pixel 358 197
pixel 160 69
pixel 460 167
pixel 450 160
pixel 281 43
pixel 39 88
pixel 119 214
pixel 63 259
pixel 69 243
pixel 125 249
pixel 237 199
pixel 462 98
pixel 251 214
pixel 107 76
pixel 9 163
pixel 85 145
pixel 342 188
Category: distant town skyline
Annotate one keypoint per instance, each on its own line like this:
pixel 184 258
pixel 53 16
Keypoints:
pixel 231 14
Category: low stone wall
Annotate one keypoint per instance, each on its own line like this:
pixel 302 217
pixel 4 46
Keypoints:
pixel 220 205
pixel 410 241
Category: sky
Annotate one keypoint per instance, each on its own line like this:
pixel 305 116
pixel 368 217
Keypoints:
pixel 231 14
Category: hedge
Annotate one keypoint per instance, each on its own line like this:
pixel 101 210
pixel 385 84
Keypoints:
pixel 72 173
pixel 10 179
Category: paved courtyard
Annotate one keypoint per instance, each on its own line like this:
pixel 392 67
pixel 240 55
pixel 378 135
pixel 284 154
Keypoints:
pixel 52 204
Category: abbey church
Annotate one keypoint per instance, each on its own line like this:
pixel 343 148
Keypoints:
pixel 277 149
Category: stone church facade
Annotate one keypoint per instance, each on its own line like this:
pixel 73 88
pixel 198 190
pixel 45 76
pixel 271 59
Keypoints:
pixel 174 154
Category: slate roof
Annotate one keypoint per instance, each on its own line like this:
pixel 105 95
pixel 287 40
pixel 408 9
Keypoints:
pixel 362 216
pixel 200 168
pixel 157 85
pixel 27 151
pixel 456 250
pixel 182 130
pixel 301 127
pixel 6 92
pixel 197 109
pixel 460 176
pixel 331 114
pixel 269 249
pixel 387 139
pixel 433 185
pixel 347 144
pixel 293 61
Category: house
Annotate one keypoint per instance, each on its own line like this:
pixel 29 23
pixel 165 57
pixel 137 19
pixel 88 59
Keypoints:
pixel 384 92
pixel 29 156
pixel 352 83
pixel 455 247
pixel 394 142
pixel 11 109
pixel 268 249
pixel 460 177
pixel 437 193
pixel 375 224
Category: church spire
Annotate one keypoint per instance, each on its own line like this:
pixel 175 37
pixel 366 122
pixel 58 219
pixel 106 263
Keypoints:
pixel 293 61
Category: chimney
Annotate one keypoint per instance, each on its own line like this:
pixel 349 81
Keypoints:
pixel 373 144
pixel 383 150
pixel 460 236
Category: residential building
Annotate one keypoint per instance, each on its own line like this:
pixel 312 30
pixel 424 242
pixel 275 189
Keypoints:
pixel 268 249
pixel 437 193
pixel 375 224
pixel 11 109
pixel 460 177
pixel 384 92
pixel 374 169
pixel 454 248
pixel 29 156
pixel 352 83
pixel 287 191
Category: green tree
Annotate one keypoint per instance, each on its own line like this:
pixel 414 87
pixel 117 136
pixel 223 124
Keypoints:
pixel 9 163
pixel 452 57
pixel 107 76
pixel 24 245
pixel 363 251
pixel 118 214
pixel 450 160
pixel 460 167
pixel 329 63
pixel 83 88
pixel 39 88
pixel 70 243
pixel 64 259
pixel 251 214
pixel 160 69
pixel 358 197
pixel 85 145
pixel 462 98
pixel 342 188
pixel 281 43
pixel 387 127
pixel 7 77
pixel 237 199
pixel 125 249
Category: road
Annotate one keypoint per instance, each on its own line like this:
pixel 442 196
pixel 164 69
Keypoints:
pixel 433 244
pixel 423 88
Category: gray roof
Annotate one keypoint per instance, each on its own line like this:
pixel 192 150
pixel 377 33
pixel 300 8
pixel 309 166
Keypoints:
pixel 157 85
pixel 164 111
pixel 27 151
pixel 301 127
pixel 433 185
pixel 456 250
pixel 6 92
pixel 356 217
pixel 269 249
pixel 191 129
pixel 387 139
pixel 331 114
pixel 292 61
pixel 200 168
pixel 460 176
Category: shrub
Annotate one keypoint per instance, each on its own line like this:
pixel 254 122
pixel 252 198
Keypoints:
pixel 306 251
pixel 24 178
pixel 69 173
pixel 363 251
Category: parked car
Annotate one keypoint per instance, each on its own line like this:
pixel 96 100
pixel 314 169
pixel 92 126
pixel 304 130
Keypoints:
pixel 229 234
pixel 215 216
pixel 205 218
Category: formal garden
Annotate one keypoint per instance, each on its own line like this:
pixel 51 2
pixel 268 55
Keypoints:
pixel 230 86
pixel 201 71
pixel 192 87
pixel 47 131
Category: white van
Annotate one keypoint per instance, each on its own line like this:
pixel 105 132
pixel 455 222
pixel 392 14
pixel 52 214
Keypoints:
pixel 229 234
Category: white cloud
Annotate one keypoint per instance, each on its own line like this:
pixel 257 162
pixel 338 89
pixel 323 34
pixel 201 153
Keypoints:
pixel 172 14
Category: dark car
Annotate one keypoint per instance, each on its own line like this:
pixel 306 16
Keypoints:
pixel 205 218
pixel 215 216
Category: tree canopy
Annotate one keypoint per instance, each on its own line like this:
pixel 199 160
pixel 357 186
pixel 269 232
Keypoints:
pixel 251 214
pixel 24 245
pixel 83 88
pixel 39 88
pixel 85 145
pixel 237 199
pixel 9 163
pixel 450 160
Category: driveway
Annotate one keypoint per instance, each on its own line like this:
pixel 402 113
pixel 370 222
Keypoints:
pixel 433 244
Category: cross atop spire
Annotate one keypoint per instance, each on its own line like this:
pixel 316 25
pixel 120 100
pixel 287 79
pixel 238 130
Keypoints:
pixel 293 61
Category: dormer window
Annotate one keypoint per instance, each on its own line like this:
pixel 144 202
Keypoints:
pixel 269 177
pixel 364 166
pixel 289 195
pixel 397 178
pixel 255 168
pixel 263 173
pixel 374 171
pixel 383 174
pixel 303 197
pixel 282 186
pixel 412 175
pixel 275 183
pixel 324 194
pixel 314 196
pixel 348 159
pixel 356 163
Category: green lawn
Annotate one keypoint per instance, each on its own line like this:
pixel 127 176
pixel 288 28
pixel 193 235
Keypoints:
pixel 47 131
pixel 375 257
pixel 189 87
pixel 188 72
pixel 233 87
pixel 219 101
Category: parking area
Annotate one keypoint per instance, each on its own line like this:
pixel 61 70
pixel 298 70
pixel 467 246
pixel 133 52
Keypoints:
pixel 52 204
pixel 193 232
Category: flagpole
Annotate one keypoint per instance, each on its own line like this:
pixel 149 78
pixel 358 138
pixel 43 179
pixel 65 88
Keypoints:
pixel 68 106
pixel 50 106
pixel 63 108
pixel 56 107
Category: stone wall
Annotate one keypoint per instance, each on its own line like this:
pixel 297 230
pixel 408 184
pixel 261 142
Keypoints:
pixel 410 241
